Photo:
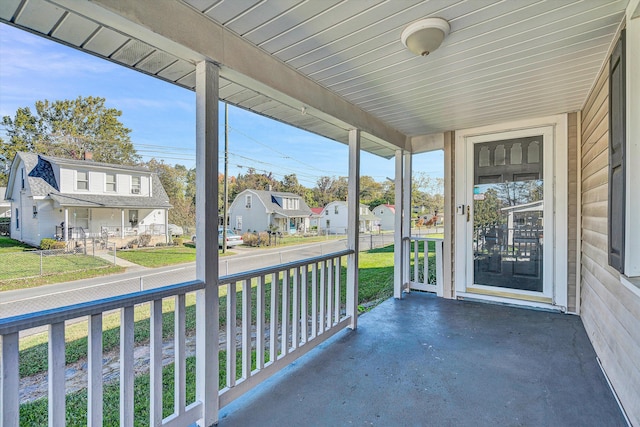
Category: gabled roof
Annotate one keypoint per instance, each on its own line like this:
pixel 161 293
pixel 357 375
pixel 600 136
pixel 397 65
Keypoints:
pixel 270 201
pixel 392 208
pixel 42 183
pixel 317 211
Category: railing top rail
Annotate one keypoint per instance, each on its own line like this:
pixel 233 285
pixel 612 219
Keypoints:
pixel 31 320
pixel 426 239
pixel 280 267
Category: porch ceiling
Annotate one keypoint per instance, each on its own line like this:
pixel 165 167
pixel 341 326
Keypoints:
pixel 504 60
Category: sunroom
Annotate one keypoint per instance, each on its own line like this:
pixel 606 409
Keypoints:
pixel 535 106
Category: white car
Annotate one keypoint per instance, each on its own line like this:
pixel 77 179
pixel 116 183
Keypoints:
pixel 175 230
pixel 233 239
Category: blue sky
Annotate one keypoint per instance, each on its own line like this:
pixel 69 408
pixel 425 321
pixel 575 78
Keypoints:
pixel 162 116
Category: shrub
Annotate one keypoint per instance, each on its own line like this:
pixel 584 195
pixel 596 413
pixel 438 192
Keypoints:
pixel 161 244
pixel 132 243
pixel 144 239
pixel 263 239
pixel 178 241
pixel 46 244
pixel 250 239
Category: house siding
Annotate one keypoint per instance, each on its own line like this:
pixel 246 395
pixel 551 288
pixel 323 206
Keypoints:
pixel 610 312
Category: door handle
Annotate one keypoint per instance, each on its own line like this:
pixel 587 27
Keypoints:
pixel 468 213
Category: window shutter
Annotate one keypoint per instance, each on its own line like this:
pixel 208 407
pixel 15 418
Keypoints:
pixel 617 156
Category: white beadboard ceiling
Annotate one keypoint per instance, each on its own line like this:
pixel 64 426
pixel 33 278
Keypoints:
pixel 503 60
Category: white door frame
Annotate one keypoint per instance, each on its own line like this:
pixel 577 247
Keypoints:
pixel 554 129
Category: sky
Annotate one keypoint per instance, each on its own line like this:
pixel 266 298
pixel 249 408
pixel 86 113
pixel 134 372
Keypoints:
pixel 162 116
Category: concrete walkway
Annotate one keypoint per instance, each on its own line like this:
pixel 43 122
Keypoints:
pixel 426 361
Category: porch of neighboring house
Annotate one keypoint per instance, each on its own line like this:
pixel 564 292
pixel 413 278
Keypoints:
pixel 424 360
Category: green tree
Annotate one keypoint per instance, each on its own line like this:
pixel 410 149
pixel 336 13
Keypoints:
pixel 487 212
pixel 69 128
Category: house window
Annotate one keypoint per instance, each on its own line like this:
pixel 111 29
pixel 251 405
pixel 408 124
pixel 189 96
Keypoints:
pixel 247 200
pixel 35 211
pixel 617 142
pixel 326 212
pixel 239 222
pixel 17 219
pixel 22 177
pixel 135 185
pixel 335 210
pixel 82 180
pixel 111 182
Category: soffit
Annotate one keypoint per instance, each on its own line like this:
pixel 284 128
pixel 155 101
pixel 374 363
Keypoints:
pixel 502 61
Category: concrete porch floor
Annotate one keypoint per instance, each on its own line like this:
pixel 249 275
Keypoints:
pixel 430 361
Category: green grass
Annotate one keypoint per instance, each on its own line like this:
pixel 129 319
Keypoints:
pixel 9 245
pixel 160 257
pixel 32 282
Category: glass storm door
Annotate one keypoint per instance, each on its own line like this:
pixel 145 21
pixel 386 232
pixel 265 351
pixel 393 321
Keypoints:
pixel 508 220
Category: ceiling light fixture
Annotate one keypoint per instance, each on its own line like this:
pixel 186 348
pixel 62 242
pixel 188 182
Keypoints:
pixel 424 36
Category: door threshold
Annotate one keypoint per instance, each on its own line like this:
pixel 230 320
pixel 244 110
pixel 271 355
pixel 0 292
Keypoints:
pixel 513 302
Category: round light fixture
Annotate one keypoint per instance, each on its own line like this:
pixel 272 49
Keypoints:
pixel 424 36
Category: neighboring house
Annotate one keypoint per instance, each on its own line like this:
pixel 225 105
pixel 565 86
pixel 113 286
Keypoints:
pixel 387 214
pixel 5 205
pixel 334 218
pixel 68 199
pixel 316 215
pixel 260 210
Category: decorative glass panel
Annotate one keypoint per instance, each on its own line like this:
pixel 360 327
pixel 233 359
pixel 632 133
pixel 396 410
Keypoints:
pixel 499 154
pixel 516 154
pixel 484 158
pixel 533 152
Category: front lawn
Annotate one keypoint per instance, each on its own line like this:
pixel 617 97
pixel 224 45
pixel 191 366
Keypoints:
pixel 160 257
pixel 9 245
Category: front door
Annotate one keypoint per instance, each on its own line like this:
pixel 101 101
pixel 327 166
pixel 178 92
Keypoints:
pixel 507 218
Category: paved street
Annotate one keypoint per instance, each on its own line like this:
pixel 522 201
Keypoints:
pixel 23 301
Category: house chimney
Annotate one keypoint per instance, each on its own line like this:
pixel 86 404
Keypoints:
pixel 88 155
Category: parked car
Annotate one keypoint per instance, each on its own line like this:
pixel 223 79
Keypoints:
pixel 233 239
pixel 175 230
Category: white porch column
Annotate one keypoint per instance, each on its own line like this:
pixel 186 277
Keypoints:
pixel 397 233
pixel 166 226
pixel 207 320
pixel 353 226
pixel 65 229
pixel 122 223
pixel 406 220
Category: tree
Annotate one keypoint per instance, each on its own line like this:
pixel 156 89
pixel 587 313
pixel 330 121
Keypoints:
pixel 69 129
pixel 174 179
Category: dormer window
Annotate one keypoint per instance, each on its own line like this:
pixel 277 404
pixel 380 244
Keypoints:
pixel 135 185
pixel 111 182
pixel 82 180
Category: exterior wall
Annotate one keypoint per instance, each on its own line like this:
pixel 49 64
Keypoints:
pixel 338 222
pixel 386 215
pixel 16 203
pixel 609 310
pixel 48 217
pixel 572 211
pixel 253 218
pixel 97 182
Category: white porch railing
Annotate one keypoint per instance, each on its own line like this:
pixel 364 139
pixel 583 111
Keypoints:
pixel 423 264
pixel 271 316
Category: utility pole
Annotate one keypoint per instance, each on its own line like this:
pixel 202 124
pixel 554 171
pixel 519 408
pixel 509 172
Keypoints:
pixel 226 178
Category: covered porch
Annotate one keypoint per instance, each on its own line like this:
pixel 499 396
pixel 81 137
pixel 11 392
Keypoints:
pixel 424 360
pixel 515 73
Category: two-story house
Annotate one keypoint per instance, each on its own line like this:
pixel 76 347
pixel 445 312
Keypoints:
pixel 261 210
pixel 68 199
pixel 335 215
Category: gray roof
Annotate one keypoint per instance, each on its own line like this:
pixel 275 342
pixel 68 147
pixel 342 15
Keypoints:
pixel 42 183
pixel 267 200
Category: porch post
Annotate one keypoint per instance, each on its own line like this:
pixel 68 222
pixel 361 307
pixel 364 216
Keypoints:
pixel 65 229
pixel 207 320
pixel 406 219
pixel 353 225
pixel 397 230
pixel 122 223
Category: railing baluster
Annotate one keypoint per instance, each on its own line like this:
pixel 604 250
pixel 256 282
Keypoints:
pixel 416 261
pixel 231 334
pixel 180 369
pixel 425 272
pixel 328 320
pixel 246 328
pixel 314 300
pixel 323 306
pixel 126 366
pixel 295 316
pixel 9 380
pixel 273 333
pixel 94 386
pixel 304 304
pixel 336 307
pixel 284 349
pixel 56 374
pixel 155 363
pixel 439 269
pixel 260 306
